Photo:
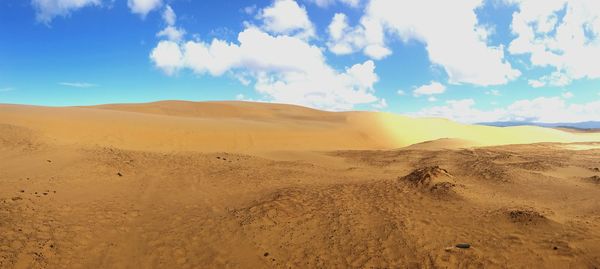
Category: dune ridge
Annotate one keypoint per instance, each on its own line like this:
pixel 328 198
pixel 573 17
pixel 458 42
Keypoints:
pixel 249 127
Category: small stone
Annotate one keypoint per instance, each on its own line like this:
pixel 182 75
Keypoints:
pixel 119 174
pixel 266 254
pixel 555 248
pixel 463 245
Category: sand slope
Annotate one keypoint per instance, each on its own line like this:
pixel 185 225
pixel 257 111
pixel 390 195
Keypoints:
pixel 248 185
pixel 247 127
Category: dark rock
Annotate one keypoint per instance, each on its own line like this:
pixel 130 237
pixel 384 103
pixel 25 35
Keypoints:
pixel 119 174
pixel 266 254
pixel 463 245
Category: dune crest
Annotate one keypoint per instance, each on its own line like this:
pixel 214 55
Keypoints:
pixel 250 127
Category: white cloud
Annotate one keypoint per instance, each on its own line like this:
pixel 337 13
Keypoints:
pixel 249 10
pixel 381 104
pixel 287 17
pixel 452 35
pixel 541 109
pixel 536 83
pixel 302 77
pixel 493 92
pixel 169 16
pixel 461 111
pixel 368 37
pixel 555 79
pixel 430 89
pixel 171 32
pixel 565 43
pixel 567 95
pixel 46 10
pixel 400 92
pixel 143 7
pixel 326 3
pixel 167 56
pixel 78 84
pixel 431 99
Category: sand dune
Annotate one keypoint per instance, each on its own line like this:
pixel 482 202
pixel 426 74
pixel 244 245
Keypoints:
pixel 248 127
pixel 252 185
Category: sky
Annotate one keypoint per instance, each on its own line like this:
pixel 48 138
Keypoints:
pixel 469 61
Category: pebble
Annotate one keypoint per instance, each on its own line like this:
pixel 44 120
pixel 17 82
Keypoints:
pixel 463 245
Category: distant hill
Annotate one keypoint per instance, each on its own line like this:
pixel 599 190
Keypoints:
pixel 247 127
pixel 586 125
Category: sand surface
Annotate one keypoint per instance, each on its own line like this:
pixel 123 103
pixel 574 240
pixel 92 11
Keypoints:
pixel 249 185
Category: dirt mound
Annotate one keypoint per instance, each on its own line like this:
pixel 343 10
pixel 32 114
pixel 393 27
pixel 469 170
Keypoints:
pixel 442 188
pixel 525 216
pixel 594 179
pixel 432 178
pixel 426 175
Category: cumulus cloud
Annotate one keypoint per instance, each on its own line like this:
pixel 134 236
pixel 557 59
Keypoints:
pixel 261 56
pixel 78 84
pixel 167 56
pixel 302 77
pixel 287 17
pixel 46 10
pixel 450 30
pixel 430 89
pixel 560 34
pixel 541 109
pixel 368 37
pixel 143 7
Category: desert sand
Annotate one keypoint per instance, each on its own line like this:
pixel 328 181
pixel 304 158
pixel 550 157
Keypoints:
pixel 253 185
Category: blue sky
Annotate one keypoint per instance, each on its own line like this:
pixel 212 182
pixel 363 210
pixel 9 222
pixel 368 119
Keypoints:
pixel 469 61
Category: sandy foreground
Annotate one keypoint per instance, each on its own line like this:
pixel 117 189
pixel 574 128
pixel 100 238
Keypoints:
pixel 250 185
